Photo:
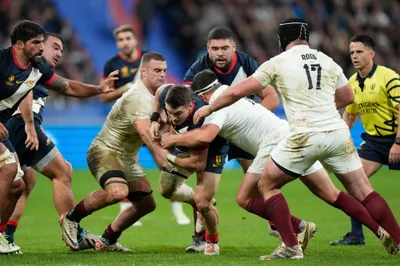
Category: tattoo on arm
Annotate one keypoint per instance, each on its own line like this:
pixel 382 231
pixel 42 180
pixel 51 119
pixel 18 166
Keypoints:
pixel 59 85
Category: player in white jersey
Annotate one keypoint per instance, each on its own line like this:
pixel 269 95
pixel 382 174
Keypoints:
pixel 112 159
pixel 312 87
pixel 242 124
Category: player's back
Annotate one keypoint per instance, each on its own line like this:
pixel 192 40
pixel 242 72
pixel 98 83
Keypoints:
pixel 307 80
pixel 118 131
pixel 245 123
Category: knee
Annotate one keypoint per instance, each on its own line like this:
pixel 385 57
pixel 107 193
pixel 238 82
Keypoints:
pixel 117 192
pixel 64 175
pixel 242 200
pixel 17 188
pixel 167 190
pixel 143 200
pixel 202 203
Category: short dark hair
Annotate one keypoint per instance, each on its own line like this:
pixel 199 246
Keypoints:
pixel 152 56
pixel 178 96
pixel 25 30
pixel 202 79
pixel 365 39
pixel 219 33
pixel 124 28
pixel 48 34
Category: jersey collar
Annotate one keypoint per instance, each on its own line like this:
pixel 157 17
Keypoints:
pixel 16 60
pixel 362 80
pixel 231 67
pixel 138 56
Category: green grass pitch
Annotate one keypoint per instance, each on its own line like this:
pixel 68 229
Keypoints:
pixel 160 241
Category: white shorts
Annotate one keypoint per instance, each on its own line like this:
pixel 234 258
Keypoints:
pixel 334 149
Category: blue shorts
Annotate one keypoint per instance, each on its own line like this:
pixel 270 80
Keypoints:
pixel 216 156
pixel 237 153
pixel 377 149
pixel 38 159
pixel 8 144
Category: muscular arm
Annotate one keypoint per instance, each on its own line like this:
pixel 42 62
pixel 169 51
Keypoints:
pixel 25 108
pixel 196 162
pixel 344 96
pixel 234 93
pixel 114 95
pixel 142 127
pixel 270 99
pixel 350 119
pixel 73 88
pixel 196 137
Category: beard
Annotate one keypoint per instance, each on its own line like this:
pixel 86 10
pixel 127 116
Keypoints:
pixel 33 58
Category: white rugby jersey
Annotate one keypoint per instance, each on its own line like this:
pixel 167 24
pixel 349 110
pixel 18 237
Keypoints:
pixel 245 123
pixel 306 79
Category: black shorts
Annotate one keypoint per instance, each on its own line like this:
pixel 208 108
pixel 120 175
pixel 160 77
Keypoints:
pixel 38 159
pixel 237 153
pixel 216 156
pixel 8 144
pixel 377 149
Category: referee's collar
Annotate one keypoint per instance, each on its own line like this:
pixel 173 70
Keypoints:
pixel 370 74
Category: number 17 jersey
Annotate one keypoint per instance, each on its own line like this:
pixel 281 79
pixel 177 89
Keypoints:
pixel 307 80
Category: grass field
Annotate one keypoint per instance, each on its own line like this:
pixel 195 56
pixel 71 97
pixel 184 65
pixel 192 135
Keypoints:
pixel 160 241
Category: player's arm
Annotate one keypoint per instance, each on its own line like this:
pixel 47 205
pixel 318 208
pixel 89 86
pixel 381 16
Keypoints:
pixel 142 126
pixel 195 162
pixel 117 93
pixel 193 138
pixel 344 96
pixel 159 117
pixel 78 89
pixel 350 119
pixel 270 99
pixel 26 110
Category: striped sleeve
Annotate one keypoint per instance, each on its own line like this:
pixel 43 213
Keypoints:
pixel 393 86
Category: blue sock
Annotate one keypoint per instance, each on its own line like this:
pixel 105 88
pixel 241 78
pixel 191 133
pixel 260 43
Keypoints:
pixel 356 228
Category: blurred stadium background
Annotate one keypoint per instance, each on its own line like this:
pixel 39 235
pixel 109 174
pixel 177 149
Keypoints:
pixel 178 29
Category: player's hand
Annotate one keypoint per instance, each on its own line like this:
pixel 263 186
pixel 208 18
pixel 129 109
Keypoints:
pixel 166 140
pixel 3 132
pixel 108 85
pixel 394 155
pixel 201 113
pixel 31 142
pixel 155 130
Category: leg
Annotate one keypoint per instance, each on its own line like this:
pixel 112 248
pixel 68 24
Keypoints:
pixel 207 184
pixel 244 163
pixel 8 171
pixel 59 171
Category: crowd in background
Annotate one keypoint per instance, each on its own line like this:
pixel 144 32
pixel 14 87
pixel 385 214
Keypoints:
pixel 254 23
pixel 76 62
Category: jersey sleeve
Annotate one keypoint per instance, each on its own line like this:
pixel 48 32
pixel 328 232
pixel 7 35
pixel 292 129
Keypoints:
pixel 265 73
pixel 106 70
pixel 392 80
pixel 217 118
pixel 352 109
pixel 48 75
pixel 341 80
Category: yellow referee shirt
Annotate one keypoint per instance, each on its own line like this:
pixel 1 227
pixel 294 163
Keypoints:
pixel 375 99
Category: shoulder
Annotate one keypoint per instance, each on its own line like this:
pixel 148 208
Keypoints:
pixel 382 70
pixel 244 58
pixel 353 78
pixel 201 64
pixel 112 60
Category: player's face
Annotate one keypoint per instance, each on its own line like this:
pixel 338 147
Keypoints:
pixel 178 115
pixel 53 49
pixel 154 73
pixel 221 52
pixel 126 42
pixel 33 49
pixel 361 55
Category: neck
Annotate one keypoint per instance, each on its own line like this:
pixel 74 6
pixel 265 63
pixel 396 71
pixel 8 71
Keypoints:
pixel 21 58
pixel 132 55
pixel 297 42
pixel 148 87
pixel 363 72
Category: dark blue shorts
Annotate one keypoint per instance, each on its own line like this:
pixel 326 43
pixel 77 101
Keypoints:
pixel 38 159
pixel 377 149
pixel 237 153
pixel 8 144
pixel 216 156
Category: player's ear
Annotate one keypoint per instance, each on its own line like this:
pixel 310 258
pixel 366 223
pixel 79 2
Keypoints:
pixel 20 44
pixel 234 45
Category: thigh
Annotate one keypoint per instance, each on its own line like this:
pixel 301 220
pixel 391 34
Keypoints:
pixel 104 162
pixel 207 184
pixel 47 151
pixel 340 153
pixel 249 186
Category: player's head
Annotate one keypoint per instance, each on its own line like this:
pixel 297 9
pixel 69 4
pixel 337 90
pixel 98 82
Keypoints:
pixel 28 36
pixel 221 47
pixel 179 104
pixel 126 39
pixel 362 51
pixel 53 48
pixel 291 30
pixel 153 70
pixel 205 83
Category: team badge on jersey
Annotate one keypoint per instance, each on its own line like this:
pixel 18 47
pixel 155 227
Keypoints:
pixel 10 80
pixel 124 71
